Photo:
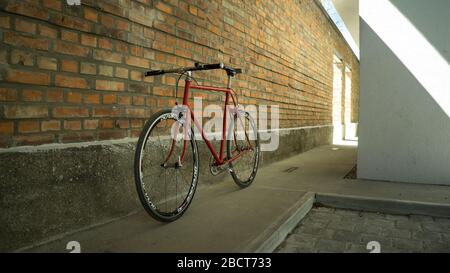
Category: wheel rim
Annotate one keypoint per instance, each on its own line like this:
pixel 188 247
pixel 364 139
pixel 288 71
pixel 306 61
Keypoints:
pixel 244 168
pixel 167 190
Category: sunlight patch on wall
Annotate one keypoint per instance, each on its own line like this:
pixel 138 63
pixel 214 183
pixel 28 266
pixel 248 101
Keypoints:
pixel 411 47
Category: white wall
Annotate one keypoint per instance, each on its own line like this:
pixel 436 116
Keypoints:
pixel 405 91
pixel 348 10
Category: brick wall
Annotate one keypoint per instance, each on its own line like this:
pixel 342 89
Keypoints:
pixel 73 74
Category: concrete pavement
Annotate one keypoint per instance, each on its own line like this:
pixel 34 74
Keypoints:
pixel 223 218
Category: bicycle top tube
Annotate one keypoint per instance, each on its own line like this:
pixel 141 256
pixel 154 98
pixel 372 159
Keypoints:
pixel 198 66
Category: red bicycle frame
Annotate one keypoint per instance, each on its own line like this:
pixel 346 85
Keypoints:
pixel 218 157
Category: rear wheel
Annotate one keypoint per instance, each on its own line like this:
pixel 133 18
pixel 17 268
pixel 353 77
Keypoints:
pixel 243 141
pixel 166 181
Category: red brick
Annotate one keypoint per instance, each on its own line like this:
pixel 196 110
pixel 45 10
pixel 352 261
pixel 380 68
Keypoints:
pixel 163 7
pixel 28 126
pixel 69 36
pixel 123 124
pixel 72 82
pixel 71 22
pixel 109 99
pixel 90 124
pixel 135 112
pixel 138 100
pixel 70 112
pixel 34 139
pixel 106 135
pixel 105 44
pixel 74 97
pixel 76 136
pixel 7 94
pixel 72 125
pixel 107 56
pixel 71 49
pixel 27 9
pixel 50 125
pixel 52 4
pixel 125 100
pixel 54 96
pixel 136 75
pixel 136 123
pixel 88 40
pixel 92 99
pixel 21 76
pixel 6 128
pixel 122 47
pixel 32 95
pixel 107 20
pixel 150 102
pixel 47 63
pixel 69 66
pixel 23 41
pixel 121 73
pixel 163 91
pixel 106 124
pixel 106 112
pixel 88 68
pixel 25 26
pixel 123 25
pixel 193 10
pixel 135 61
pixel 90 14
pixel 22 58
pixel 109 85
pixel 5 22
pixel 105 70
pixel 47 31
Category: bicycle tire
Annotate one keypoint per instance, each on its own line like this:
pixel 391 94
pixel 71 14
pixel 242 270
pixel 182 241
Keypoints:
pixel 150 205
pixel 242 181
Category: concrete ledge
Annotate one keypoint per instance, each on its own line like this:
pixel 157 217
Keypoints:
pixel 382 205
pixel 268 241
pixel 52 190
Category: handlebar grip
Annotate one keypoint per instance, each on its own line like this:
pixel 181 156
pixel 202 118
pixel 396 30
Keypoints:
pixel 209 66
pixel 154 73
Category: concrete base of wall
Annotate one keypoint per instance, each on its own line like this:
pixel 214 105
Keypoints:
pixel 47 192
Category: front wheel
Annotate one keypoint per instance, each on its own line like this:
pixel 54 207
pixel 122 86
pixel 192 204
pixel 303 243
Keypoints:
pixel 243 144
pixel 166 166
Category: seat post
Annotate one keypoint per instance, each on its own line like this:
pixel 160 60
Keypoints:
pixel 229 82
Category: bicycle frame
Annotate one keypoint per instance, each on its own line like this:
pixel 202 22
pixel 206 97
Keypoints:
pixel 218 157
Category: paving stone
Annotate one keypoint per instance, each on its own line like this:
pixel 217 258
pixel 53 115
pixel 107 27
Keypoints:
pixel 310 229
pixel 326 230
pixel 409 225
pixel 426 236
pixel 356 248
pixel 408 245
pixel 396 233
pixel 433 247
pixel 342 225
pixel 300 239
pixel 384 223
pixel 421 218
pixel 368 229
pixel 347 236
pixel 443 221
pixel 330 246
pixel 384 241
pixel 436 227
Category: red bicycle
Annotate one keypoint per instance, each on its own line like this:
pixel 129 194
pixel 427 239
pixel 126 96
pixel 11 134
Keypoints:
pixel 167 159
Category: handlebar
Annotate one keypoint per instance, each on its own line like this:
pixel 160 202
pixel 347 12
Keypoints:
pixel 198 66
